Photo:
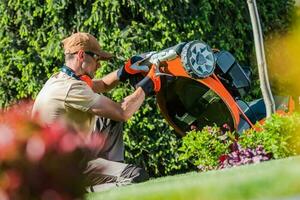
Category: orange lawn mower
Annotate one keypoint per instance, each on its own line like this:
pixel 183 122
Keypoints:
pixel 204 87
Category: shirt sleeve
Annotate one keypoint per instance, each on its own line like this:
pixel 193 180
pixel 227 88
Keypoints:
pixel 81 97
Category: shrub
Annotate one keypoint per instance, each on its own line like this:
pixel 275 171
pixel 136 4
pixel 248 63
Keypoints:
pixel 204 148
pixel 242 156
pixel 38 162
pixel 279 136
pixel 211 148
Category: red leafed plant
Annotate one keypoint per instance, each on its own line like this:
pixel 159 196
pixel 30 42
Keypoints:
pixel 40 162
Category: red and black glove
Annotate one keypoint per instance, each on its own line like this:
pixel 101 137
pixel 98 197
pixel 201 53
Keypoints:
pixel 131 68
pixel 151 83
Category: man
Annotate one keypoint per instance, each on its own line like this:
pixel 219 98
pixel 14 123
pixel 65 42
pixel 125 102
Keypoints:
pixel 73 95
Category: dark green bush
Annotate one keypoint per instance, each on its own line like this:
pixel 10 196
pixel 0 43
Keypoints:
pixel 31 32
pixel 30 51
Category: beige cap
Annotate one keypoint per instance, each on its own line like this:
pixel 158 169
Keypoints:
pixel 86 42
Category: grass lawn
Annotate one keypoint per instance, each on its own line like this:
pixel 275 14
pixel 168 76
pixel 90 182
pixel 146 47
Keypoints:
pixel 276 180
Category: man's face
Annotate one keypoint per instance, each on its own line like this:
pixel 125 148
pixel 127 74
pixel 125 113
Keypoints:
pixel 91 63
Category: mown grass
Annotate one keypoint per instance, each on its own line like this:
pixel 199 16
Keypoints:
pixel 277 179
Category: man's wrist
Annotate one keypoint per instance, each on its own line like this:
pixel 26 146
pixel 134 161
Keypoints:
pixel 122 74
pixel 147 85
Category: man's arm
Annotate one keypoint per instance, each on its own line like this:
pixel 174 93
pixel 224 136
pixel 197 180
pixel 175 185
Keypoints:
pixel 105 107
pixel 106 83
pixel 129 69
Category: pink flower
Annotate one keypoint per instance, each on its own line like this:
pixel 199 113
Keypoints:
pixel 7 142
pixel 68 143
pixel 6 136
pixel 51 136
pixel 222 158
pixel 37 158
pixel 3 195
pixel 35 148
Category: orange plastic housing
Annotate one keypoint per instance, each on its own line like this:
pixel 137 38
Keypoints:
pixel 175 68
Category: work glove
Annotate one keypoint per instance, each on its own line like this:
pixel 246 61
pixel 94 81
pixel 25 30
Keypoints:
pixel 132 68
pixel 151 84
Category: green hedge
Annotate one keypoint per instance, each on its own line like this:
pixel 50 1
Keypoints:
pixel 31 31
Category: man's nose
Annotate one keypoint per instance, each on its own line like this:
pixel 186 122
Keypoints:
pixel 98 65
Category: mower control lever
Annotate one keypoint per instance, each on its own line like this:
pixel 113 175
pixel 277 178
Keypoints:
pixel 156 59
pixel 163 56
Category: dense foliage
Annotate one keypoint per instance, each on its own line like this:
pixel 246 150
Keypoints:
pixel 213 148
pixel 204 148
pixel 31 31
pixel 279 136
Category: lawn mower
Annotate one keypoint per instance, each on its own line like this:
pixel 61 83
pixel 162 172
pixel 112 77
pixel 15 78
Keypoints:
pixel 204 87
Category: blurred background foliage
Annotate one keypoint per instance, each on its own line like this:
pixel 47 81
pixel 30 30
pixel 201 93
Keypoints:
pixel 31 32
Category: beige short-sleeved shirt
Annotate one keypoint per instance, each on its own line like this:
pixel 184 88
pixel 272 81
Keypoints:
pixel 65 97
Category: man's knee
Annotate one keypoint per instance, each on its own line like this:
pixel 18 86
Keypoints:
pixel 136 174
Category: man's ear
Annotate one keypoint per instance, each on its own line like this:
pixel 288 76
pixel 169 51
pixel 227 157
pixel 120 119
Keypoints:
pixel 80 55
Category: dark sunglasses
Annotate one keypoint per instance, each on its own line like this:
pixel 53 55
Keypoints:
pixel 95 56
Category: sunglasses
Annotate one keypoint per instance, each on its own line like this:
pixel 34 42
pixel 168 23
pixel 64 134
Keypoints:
pixel 95 56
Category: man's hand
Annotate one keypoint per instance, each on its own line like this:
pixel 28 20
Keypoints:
pixel 151 83
pixel 131 68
